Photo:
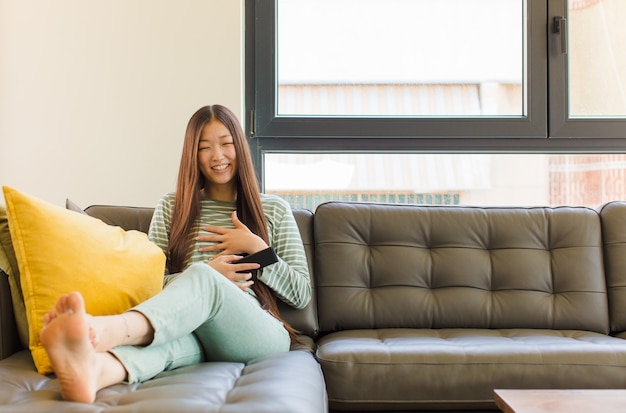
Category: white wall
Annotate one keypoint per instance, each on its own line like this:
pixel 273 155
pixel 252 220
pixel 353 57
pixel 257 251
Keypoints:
pixel 95 94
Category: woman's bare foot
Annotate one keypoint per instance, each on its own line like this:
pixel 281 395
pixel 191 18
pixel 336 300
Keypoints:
pixel 52 314
pixel 68 340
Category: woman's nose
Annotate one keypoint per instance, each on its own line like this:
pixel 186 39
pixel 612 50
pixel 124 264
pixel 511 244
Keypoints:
pixel 217 153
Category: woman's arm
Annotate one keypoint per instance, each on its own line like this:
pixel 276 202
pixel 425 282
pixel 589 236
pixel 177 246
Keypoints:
pixel 289 277
pixel 158 232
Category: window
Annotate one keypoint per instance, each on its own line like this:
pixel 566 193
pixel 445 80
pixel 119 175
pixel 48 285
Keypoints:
pixel 381 67
pixel 308 51
pixel 483 92
pixel 588 69
pixel 306 180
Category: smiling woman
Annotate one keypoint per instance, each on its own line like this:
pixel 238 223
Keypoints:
pixel 212 307
pixel 217 159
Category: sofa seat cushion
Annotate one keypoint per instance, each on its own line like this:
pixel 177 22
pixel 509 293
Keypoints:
pixel 287 382
pixel 459 368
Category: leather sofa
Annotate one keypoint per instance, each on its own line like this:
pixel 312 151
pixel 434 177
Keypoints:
pixel 415 308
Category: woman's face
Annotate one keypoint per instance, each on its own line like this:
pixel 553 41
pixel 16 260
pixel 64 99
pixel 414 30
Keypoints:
pixel 217 158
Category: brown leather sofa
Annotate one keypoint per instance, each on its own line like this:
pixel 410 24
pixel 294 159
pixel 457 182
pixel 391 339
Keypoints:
pixel 416 308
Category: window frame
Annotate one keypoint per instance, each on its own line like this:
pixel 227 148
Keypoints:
pixel 561 125
pixel 542 131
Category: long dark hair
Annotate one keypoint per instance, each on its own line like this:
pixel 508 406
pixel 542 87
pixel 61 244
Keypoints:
pixel 190 184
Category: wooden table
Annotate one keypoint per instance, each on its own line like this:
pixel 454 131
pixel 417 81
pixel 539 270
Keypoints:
pixel 554 401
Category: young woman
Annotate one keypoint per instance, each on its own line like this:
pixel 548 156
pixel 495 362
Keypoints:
pixel 211 308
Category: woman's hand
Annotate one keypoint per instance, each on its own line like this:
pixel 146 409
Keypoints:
pixel 229 241
pixel 224 264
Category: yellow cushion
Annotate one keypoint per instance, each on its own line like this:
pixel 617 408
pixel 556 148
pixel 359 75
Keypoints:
pixel 59 251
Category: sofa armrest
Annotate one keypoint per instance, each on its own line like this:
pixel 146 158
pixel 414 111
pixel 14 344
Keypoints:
pixel 9 340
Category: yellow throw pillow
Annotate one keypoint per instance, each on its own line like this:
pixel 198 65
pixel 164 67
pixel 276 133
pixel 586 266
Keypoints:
pixel 59 251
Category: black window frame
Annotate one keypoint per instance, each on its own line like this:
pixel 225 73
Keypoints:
pixel 546 128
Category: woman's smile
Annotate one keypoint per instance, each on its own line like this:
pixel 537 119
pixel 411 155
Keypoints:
pixel 220 167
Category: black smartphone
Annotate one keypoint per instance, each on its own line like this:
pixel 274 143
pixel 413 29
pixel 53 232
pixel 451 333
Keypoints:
pixel 263 258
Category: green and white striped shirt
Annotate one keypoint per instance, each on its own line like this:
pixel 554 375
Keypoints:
pixel 289 277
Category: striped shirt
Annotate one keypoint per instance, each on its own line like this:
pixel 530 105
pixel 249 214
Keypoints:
pixel 289 277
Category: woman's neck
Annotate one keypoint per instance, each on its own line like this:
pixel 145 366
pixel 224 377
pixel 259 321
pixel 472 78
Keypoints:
pixel 220 194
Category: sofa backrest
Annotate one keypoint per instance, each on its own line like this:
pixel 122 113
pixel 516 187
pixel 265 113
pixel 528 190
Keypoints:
pixel 381 266
pixel 388 266
pixel 127 218
pixel 134 218
pixel 613 217
pixel 304 320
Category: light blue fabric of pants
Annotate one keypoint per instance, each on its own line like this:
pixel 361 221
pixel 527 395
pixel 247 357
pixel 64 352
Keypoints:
pixel 201 316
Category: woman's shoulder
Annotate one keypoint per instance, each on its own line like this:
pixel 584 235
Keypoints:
pixel 167 200
pixel 274 205
pixel 275 201
pixel 168 197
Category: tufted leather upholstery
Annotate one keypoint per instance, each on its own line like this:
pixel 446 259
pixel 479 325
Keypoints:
pixel 444 267
pixel 433 307
pixel 613 217
pixel 416 308
pixel 288 382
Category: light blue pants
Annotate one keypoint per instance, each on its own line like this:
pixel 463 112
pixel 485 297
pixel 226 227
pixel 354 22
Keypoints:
pixel 201 316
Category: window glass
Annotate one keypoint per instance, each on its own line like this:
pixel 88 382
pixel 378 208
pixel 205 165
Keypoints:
pixel 597 62
pixel 306 180
pixel 419 58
